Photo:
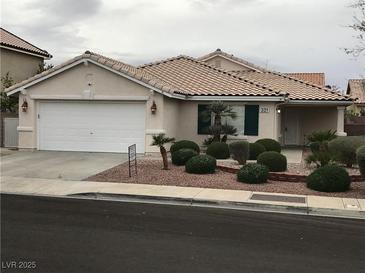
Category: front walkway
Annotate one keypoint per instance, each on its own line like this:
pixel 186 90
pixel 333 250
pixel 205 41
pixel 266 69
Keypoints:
pixel 191 196
pixel 57 164
pixel 293 155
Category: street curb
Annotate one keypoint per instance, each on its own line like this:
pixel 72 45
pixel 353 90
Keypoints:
pixel 251 206
pixel 177 201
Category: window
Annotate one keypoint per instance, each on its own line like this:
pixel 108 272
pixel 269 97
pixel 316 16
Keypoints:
pixel 239 121
pixel 246 121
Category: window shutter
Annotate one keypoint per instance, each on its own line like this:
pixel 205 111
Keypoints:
pixel 252 120
pixel 203 122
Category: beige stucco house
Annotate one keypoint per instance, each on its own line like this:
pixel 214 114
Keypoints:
pixel 95 103
pixel 18 57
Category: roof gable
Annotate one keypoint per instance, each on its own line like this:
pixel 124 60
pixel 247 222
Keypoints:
pixel 11 41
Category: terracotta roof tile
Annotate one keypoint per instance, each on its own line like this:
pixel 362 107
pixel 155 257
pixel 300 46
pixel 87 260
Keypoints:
pixel 317 78
pixel 356 89
pixel 9 39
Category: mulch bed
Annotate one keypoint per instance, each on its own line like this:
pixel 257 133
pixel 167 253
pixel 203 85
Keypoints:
pixel 150 172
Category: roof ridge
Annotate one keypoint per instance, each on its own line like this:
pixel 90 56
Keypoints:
pixel 202 63
pixel 42 50
pixel 235 58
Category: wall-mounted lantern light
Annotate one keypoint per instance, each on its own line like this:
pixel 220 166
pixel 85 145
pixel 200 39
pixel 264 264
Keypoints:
pixel 153 107
pixel 24 106
pixel 278 110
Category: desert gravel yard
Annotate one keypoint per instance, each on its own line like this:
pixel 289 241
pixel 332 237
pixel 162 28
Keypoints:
pixel 150 172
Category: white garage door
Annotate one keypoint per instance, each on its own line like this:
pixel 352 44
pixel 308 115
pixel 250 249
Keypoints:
pixel 91 126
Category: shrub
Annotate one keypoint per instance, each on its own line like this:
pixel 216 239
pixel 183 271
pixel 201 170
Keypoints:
pixel 255 150
pixel 201 164
pixel 218 150
pixel 184 144
pixel 360 157
pixel 344 148
pixel 270 144
pixel 320 158
pixel 329 178
pixel 322 136
pixel 181 156
pixel 253 174
pixel 273 160
pixel 239 151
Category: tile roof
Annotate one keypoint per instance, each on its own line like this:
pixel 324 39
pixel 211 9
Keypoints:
pixel 187 76
pixel 9 39
pixel 219 52
pixel 317 78
pixel 356 89
pixel 116 65
pixel 296 88
pixel 193 77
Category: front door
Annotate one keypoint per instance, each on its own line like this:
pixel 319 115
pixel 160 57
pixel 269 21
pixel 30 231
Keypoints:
pixel 291 127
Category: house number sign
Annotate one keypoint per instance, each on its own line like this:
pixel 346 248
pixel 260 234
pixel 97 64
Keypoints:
pixel 264 110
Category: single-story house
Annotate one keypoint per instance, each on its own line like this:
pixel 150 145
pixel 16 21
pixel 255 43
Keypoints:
pixel 95 103
pixel 356 89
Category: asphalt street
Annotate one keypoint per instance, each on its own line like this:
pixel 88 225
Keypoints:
pixel 46 234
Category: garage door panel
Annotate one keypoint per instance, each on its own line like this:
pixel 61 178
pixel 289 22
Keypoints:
pixel 88 126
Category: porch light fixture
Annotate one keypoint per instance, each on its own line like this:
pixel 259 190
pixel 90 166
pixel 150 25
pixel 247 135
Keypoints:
pixel 153 107
pixel 24 106
pixel 278 110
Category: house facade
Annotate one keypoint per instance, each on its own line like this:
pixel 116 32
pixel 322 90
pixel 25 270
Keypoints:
pixel 19 58
pixel 95 103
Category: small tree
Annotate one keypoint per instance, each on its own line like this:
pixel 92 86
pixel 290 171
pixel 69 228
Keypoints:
pixel 160 140
pixel 7 103
pixel 43 67
pixel 218 110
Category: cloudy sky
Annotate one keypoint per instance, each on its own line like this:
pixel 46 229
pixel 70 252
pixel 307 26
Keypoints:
pixel 284 35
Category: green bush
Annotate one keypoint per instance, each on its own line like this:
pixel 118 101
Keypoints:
pixel 273 160
pixel 201 164
pixel 329 178
pixel 270 144
pixel 181 156
pixel 184 144
pixel 253 174
pixel 218 150
pixel 344 148
pixel 255 150
pixel 360 157
pixel 239 151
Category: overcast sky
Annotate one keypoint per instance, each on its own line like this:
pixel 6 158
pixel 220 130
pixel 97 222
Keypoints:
pixel 284 35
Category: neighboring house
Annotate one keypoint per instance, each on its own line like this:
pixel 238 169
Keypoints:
pixel 356 89
pixel 95 103
pixel 18 57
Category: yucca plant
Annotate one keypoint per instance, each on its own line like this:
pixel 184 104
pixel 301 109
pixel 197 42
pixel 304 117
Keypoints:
pixel 161 140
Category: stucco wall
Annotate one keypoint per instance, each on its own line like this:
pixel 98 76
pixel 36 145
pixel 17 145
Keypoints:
pixel 19 65
pixel 71 84
pixel 188 121
pixel 226 64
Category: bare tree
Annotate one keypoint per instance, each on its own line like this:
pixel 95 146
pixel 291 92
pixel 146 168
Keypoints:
pixel 359 26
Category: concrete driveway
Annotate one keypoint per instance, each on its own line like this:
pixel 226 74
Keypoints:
pixel 57 164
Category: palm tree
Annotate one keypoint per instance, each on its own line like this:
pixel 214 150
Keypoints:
pixel 218 109
pixel 160 140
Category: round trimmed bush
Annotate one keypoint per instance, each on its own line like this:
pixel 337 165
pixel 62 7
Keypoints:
pixel 275 161
pixel 239 151
pixel 253 174
pixel 329 178
pixel 218 150
pixel 184 144
pixel 360 157
pixel 201 164
pixel 181 156
pixel 270 144
pixel 255 150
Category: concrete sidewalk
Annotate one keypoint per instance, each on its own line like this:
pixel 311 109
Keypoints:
pixel 238 199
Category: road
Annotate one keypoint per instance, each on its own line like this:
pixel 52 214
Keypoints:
pixel 75 235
